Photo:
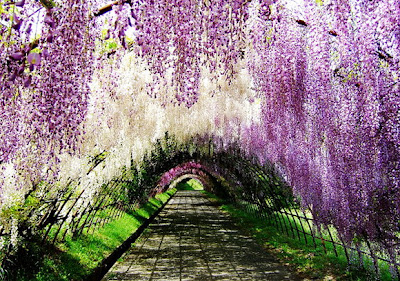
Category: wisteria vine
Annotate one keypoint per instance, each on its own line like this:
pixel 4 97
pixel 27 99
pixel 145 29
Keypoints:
pixel 46 56
pixel 326 74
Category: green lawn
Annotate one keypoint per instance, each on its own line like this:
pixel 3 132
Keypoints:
pixel 191 184
pixel 76 258
pixel 311 262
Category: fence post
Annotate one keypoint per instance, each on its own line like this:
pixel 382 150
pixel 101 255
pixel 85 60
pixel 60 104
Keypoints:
pixel 372 254
pixel 65 218
pixel 302 227
pixel 333 242
pixel 344 248
pixel 310 227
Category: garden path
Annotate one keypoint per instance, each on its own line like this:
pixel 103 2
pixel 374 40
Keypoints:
pixel 192 239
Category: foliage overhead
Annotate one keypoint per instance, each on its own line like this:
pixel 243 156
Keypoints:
pixel 311 86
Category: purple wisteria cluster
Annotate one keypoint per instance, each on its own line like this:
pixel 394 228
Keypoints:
pixel 184 35
pixel 331 111
pixel 191 167
pixel 46 57
pixel 327 79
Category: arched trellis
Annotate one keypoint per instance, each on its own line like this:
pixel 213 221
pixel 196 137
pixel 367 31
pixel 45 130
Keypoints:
pixel 258 189
pixel 374 131
pixel 262 191
pixel 192 169
pixel 268 197
pixel 72 211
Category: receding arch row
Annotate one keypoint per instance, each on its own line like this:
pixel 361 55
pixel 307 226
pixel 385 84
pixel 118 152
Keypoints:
pixel 258 189
pixel 235 180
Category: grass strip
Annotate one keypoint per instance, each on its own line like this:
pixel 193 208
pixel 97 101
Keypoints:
pixel 76 259
pixel 310 262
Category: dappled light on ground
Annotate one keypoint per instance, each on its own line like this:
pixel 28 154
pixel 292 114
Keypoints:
pixel 193 240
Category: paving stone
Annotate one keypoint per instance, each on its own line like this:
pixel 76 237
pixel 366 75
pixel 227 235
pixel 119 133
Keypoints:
pixel 193 240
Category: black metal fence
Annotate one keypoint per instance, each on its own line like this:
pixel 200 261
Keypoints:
pixel 261 191
pixel 257 189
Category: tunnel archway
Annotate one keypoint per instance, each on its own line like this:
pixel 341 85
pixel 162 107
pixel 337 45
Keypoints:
pixel 312 87
pixel 184 179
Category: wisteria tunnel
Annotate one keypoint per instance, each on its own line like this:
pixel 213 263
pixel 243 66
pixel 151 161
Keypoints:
pixel 199 140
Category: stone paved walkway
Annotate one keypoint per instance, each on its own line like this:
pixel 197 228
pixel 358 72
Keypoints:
pixel 192 240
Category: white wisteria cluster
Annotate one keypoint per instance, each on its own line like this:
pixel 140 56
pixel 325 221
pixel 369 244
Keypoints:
pixel 124 122
pixel 324 109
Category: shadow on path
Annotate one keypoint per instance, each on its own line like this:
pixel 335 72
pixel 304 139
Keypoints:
pixel 193 240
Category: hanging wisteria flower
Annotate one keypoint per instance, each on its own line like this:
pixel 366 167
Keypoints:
pixel 34 59
pixel 322 102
